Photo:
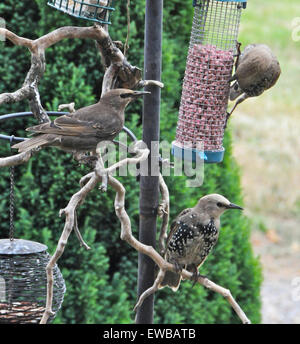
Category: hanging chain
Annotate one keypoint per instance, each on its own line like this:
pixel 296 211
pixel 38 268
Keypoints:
pixel 12 199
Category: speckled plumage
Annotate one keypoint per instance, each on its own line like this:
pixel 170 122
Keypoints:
pixel 192 236
pixel 192 241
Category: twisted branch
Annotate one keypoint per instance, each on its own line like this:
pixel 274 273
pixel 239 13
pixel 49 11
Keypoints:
pixel 17 159
pixel 119 73
pixel 87 183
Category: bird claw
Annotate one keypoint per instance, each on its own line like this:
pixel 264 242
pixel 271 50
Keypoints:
pixel 196 276
pixel 84 159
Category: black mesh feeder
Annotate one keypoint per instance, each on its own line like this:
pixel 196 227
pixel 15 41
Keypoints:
pixel 204 100
pixel 95 10
pixel 23 282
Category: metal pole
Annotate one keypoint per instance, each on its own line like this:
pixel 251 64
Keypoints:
pixel 149 185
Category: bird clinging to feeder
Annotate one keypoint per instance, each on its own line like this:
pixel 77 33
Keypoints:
pixel 192 235
pixel 83 129
pixel 257 70
pixel 204 100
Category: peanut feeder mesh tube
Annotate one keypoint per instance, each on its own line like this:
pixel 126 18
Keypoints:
pixel 203 107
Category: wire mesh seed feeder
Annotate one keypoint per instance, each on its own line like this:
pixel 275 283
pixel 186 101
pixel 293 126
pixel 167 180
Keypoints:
pixel 23 279
pixel 203 108
pixel 95 10
pixel 23 282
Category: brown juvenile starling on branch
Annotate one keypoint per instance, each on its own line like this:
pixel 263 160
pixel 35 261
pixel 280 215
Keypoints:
pixel 192 236
pixel 257 70
pixel 83 129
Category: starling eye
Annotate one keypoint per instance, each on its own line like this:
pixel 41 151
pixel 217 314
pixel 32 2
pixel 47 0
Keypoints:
pixel 236 87
pixel 220 205
pixel 125 95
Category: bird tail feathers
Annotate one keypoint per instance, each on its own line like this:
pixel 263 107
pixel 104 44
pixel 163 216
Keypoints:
pixel 35 142
pixel 171 280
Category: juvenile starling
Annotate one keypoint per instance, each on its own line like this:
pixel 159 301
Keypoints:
pixel 192 235
pixel 83 129
pixel 257 70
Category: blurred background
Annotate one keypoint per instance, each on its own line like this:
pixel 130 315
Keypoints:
pixel 266 144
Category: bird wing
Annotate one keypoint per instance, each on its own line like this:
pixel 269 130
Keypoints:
pixel 175 224
pixel 69 125
pixel 253 66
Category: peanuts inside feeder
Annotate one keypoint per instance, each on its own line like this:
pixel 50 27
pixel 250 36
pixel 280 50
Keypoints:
pixel 204 100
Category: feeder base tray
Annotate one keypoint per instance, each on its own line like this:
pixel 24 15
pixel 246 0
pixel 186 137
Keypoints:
pixel 193 154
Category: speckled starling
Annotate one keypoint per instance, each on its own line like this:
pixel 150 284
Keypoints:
pixel 257 70
pixel 192 235
pixel 83 129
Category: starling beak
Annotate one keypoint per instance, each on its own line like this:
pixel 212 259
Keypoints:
pixel 83 129
pixel 234 206
pixel 192 235
pixel 134 94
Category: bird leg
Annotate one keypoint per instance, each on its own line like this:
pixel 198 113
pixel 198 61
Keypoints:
pixel 85 159
pixel 239 101
pixel 226 120
pixel 196 274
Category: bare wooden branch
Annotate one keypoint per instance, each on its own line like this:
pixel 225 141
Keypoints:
pixel 204 281
pixel 78 234
pixel 69 212
pixel 70 107
pixel 16 96
pixel 110 78
pixel 88 183
pixel 15 160
pixel 151 290
pixel 119 72
pixel 16 40
pixel 163 212
pixel 144 83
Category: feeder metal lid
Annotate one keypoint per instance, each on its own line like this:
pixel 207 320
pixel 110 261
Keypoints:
pixel 20 246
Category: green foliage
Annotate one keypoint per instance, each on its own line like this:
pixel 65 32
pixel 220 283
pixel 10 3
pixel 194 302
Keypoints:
pixel 101 283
